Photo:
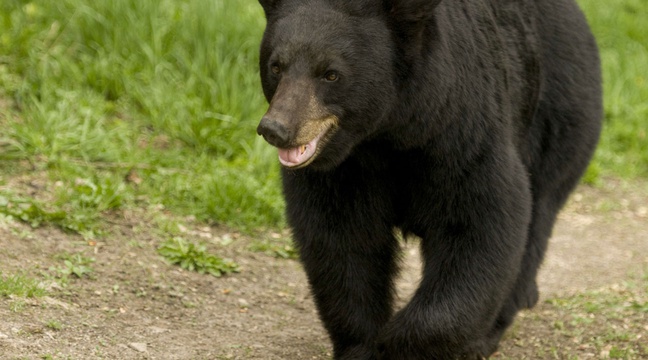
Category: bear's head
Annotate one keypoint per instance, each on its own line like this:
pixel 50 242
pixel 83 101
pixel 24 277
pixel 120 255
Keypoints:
pixel 330 70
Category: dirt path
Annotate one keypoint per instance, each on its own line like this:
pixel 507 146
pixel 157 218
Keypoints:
pixel 138 307
pixel 600 238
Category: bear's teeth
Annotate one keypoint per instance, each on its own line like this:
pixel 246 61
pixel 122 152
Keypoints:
pixel 302 149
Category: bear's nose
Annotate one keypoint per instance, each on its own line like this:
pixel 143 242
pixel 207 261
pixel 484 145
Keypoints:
pixel 273 132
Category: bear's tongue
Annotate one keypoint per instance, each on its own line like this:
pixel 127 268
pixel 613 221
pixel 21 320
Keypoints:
pixel 298 155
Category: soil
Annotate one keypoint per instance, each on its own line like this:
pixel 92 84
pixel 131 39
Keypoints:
pixel 137 306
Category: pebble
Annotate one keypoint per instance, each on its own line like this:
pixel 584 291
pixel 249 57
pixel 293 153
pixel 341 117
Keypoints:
pixel 243 303
pixel 141 347
pixel 157 330
pixel 3 336
pixel 52 301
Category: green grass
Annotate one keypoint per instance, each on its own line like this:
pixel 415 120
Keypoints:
pixel 165 91
pixel 20 285
pixel 622 34
pixel 145 103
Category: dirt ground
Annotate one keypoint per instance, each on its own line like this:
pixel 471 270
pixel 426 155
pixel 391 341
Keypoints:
pixel 136 306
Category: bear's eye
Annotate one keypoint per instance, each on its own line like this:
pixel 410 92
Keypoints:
pixel 331 76
pixel 275 69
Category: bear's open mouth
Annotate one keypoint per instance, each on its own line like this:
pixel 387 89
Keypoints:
pixel 303 155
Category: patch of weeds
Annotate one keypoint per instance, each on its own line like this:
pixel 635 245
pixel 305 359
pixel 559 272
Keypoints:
pixel 578 319
pixel 135 244
pixel 620 353
pixel 76 264
pixel 17 306
pixel 610 323
pixel 29 211
pixel 559 325
pixel 5 220
pixel 639 305
pixel 35 214
pixel 22 233
pixel 592 307
pixel 189 305
pixel 86 199
pixel 592 175
pixel 194 257
pixel 54 325
pixel 165 223
pixel 278 248
pixel 103 194
pixel 20 285
pixel 140 293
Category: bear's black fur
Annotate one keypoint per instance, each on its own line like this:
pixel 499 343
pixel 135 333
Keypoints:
pixel 464 122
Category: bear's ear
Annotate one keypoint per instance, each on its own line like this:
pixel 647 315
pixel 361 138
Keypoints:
pixel 409 19
pixel 269 5
pixel 411 11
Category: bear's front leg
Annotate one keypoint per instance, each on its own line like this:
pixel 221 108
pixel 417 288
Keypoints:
pixel 348 250
pixel 473 227
pixel 350 277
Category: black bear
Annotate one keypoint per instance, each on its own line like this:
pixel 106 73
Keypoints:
pixel 463 122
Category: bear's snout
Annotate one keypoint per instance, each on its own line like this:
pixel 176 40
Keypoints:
pixel 273 132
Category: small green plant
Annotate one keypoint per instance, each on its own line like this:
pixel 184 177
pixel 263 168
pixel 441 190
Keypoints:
pixel 54 325
pixel 619 353
pixel 101 195
pixel 17 306
pixel 194 257
pixel 277 248
pixel 20 285
pixel 77 265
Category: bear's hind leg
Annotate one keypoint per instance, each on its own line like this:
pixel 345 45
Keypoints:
pixel 524 294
